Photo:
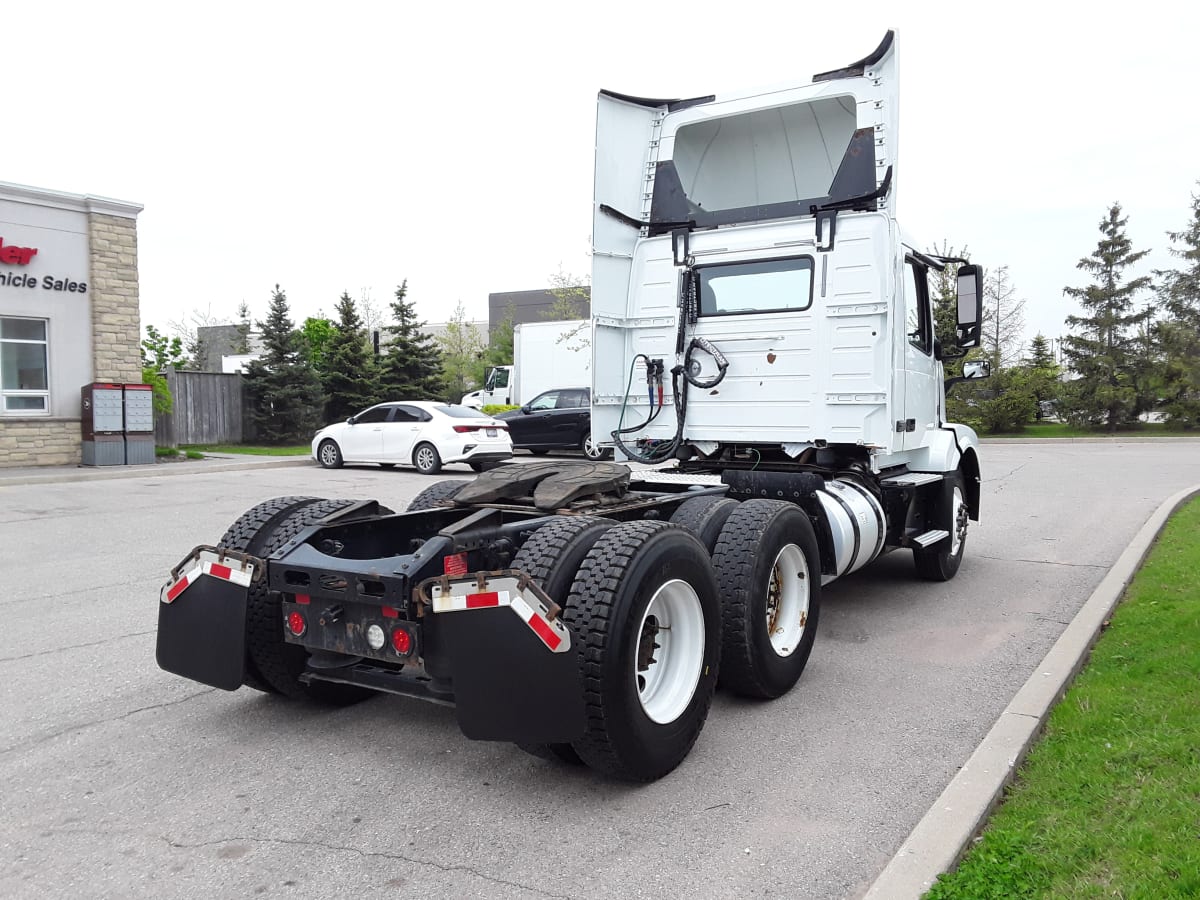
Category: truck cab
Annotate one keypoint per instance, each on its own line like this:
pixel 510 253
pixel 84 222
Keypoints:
pixel 748 244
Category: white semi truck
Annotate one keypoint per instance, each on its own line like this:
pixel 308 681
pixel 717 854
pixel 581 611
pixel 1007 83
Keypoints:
pixel 546 355
pixel 763 337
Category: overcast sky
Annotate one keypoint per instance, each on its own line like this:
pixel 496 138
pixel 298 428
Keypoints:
pixel 348 146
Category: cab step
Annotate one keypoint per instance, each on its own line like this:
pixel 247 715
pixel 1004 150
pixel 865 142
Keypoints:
pixel 929 538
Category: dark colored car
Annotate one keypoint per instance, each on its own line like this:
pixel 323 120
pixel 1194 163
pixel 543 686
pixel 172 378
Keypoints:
pixel 554 420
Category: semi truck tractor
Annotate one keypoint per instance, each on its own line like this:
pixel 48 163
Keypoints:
pixel 764 365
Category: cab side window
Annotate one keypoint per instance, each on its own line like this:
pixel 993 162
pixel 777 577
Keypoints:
pixel 917 319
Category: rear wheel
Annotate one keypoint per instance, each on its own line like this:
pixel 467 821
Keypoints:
pixel 329 455
pixel 249 534
pixel 770 577
pixel 426 459
pixel 705 517
pixel 644 608
pixel 941 562
pixel 551 557
pixel 279 663
pixel 434 495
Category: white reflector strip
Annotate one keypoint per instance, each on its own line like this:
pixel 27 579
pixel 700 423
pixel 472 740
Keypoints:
pixel 473 600
pixel 465 595
pixel 209 565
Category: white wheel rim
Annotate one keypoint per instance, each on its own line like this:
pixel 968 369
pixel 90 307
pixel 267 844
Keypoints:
pixel 425 458
pixel 328 454
pixel 590 449
pixel 666 675
pixel 787 600
pixel 958 522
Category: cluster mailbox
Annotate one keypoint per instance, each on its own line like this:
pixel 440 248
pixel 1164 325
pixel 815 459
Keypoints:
pixel 117 422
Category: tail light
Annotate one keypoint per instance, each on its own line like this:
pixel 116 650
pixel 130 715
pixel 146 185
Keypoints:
pixel 402 641
pixel 296 624
pixel 465 429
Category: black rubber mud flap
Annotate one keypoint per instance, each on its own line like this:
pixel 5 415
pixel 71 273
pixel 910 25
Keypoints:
pixel 507 685
pixel 202 633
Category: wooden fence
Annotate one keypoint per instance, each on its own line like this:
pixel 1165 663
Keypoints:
pixel 208 409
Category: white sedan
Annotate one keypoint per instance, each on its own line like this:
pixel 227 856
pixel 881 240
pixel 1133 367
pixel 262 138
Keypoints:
pixel 421 432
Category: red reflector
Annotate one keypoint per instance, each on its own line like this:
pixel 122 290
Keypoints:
pixel 220 571
pixel 477 601
pixel 296 624
pixel 177 588
pixel 402 641
pixel 303 599
pixel 545 632
pixel 455 564
pixel 391 612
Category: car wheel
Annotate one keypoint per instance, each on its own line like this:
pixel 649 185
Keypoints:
pixel 591 449
pixel 329 455
pixel 426 459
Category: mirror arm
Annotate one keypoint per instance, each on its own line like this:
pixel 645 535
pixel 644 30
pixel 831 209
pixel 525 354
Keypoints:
pixel 949 384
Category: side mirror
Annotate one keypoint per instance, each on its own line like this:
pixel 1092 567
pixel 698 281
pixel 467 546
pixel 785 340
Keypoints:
pixel 351 420
pixel 970 306
pixel 977 368
pixel 525 410
pixel 972 371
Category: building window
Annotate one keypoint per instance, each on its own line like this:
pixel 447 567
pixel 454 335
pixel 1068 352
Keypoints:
pixel 24 382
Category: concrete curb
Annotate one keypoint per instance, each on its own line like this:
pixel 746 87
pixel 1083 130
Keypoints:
pixel 942 836
pixel 198 467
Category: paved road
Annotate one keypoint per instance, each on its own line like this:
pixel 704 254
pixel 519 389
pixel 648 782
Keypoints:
pixel 121 780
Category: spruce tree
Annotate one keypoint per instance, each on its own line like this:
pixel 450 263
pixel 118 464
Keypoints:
pixel 350 371
pixel 411 365
pixel 1041 372
pixel 285 392
pixel 1103 350
pixel 1178 334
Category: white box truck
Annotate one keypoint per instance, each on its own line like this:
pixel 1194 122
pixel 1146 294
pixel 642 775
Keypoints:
pixel 546 355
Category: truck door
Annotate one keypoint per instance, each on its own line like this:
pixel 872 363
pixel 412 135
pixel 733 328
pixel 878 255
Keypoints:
pixel 919 410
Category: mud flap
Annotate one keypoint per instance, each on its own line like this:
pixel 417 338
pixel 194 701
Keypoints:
pixel 202 631
pixel 507 685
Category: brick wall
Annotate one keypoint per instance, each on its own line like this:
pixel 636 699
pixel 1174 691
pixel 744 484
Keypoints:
pixel 116 325
pixel 40 442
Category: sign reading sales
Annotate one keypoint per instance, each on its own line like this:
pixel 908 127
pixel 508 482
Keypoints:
pixel 12 255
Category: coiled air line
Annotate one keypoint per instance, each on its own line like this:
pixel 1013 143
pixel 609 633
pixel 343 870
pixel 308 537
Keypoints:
pixel 681 377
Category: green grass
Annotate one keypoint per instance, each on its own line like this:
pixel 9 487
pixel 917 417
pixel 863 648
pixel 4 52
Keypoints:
pixel 1063 430
pixel 1108 802
pixel 296 450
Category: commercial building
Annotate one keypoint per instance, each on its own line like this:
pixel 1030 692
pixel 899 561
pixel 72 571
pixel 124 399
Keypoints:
pixel 68 315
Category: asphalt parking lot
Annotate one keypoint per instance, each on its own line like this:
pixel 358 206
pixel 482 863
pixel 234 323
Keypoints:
pixel 121 780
